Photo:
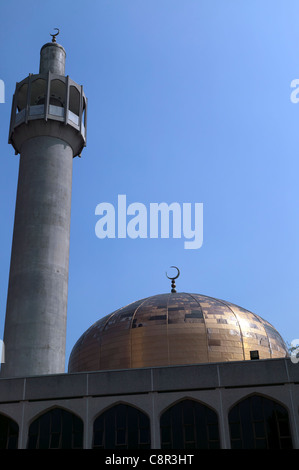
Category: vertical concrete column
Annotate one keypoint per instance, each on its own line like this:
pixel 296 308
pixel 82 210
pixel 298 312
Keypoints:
pixel 223 423
pixel 35 325
pixel 155 423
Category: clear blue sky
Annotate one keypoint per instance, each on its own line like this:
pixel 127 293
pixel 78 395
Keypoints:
pixel 189 101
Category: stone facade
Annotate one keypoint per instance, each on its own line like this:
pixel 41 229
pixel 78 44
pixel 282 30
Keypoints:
pixel 152 390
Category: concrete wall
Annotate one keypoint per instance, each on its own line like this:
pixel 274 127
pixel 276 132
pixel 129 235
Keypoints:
pixel 152 390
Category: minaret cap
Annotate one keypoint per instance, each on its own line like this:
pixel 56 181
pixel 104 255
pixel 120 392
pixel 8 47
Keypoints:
pixel 52 57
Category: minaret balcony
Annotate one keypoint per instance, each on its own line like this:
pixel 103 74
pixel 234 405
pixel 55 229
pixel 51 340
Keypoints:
pixel 49 97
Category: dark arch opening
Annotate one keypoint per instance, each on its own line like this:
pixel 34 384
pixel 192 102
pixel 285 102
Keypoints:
pixel 257 422
pixel 9 433
pixel 189 424
pixel 57 92
pixel 38 92
pixel 121 427
pixel 56 429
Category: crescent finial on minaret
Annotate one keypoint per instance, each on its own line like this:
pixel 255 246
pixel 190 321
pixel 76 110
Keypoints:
pixel 54 35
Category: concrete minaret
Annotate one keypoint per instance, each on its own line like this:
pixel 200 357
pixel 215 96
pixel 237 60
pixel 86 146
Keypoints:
pixel 48 129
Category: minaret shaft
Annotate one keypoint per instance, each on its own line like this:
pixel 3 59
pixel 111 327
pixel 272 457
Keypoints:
pixel 48 129
pixel 35 326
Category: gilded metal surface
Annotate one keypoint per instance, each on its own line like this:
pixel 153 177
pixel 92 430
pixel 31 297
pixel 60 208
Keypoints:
pixel 174 329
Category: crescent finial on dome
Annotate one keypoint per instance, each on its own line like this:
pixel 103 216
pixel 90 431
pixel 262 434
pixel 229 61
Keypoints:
pixel 173 279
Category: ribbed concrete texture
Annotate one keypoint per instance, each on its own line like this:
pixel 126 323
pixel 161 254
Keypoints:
pixel 35 326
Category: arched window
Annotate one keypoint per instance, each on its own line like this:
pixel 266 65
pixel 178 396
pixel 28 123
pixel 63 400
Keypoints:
pixel 57 93
pixel 189 424
pixel 38 91
pixel 22 97
pixel 121 427
pixel 56 429
pixel 74 103
pixel 259 423
pixel 9 433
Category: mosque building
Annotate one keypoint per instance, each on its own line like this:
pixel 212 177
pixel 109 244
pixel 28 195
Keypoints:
pixel 176 370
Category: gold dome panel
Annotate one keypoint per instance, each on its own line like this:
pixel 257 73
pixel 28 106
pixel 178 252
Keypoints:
pixel 175 329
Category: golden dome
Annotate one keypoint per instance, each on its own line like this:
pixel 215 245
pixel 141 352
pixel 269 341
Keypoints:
pixel 175 329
